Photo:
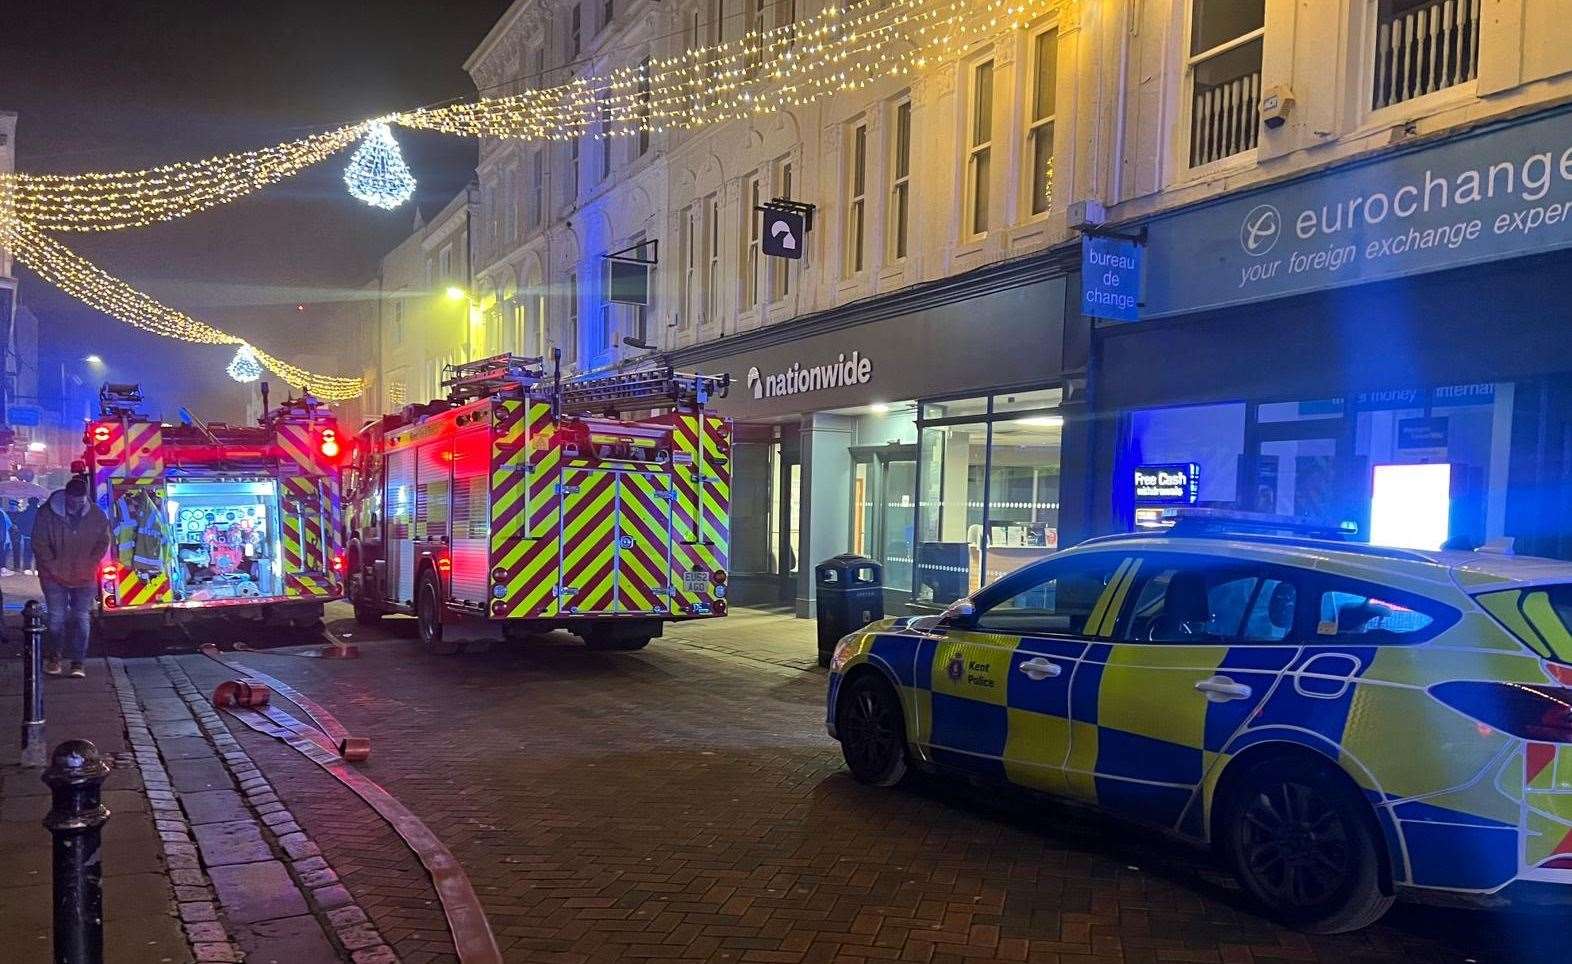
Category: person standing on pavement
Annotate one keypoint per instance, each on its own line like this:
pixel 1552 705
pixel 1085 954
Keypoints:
pixel 22 535
pixel 70 537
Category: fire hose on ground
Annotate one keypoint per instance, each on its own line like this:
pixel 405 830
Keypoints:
pixel 329 745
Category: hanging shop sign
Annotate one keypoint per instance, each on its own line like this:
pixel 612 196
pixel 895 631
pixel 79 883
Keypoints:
pixel 1110 277
pixel 1168 483
pixel 786 226
pixel 1502 191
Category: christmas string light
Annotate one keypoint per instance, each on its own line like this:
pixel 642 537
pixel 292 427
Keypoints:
pixel 377 173
pixel 98 201
pixel 90 284
pixel 244 367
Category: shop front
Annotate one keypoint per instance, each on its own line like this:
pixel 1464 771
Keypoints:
pixel 1382 345
pixel 925 429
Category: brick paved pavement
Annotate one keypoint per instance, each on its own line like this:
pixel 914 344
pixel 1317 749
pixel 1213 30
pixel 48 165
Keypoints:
pixel 684 804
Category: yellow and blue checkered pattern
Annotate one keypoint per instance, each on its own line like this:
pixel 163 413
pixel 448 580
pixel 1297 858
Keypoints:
pixel 1121 725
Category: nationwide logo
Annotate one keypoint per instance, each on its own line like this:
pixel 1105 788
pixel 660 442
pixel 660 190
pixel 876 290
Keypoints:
pixel 1260 230
pixel 844 372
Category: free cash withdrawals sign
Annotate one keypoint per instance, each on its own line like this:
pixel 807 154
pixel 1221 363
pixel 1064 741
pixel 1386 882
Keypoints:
pixel 1498 192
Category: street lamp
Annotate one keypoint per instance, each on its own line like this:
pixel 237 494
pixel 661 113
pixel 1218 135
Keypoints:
pixel 93 360
pixel 455 293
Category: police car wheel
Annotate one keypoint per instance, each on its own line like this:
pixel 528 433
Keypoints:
pixel 872 731
pixel 428 613
pixel 1304 845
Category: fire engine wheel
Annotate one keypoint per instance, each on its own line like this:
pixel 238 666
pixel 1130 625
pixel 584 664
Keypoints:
pixel 366 616
pixel 428 613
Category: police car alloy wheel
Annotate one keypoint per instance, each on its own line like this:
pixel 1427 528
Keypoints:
pixel 1304 846
pixel 872 730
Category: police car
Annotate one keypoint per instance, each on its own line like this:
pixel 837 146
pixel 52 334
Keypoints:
pixel 1339 721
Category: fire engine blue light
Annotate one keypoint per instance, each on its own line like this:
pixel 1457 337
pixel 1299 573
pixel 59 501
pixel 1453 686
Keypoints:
pixel 377 173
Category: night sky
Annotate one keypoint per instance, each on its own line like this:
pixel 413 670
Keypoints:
pixel 129 84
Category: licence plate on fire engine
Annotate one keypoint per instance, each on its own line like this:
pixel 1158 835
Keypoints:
pixel 696 581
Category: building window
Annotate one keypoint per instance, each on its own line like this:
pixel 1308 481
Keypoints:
pixel 712 292
pixel 785 13
pixel 717 20
pixel 1422 46
pixel 752 218
pixel 535 67
pixel 445 263
pixel 608 10
pixel 570 337
pixel 1039 126
pixel 398 321
pixel 575 30
pixel 537 187
pixel 979 148
pixel 510 205
pixel 688 278
pixel 856 199
pixel 608 326
pixel 899 212
pixel 1224 72
pixel 987 490
pixel 518 336
pixel 573 168
pixel 780 268
pixel 644 108
pixel 542 329
pixel 604 99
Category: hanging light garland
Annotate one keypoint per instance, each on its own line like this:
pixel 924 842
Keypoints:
pixel 99 201
pixel 377 173
pixel 244 367
pixel 96 288
pixel 765 71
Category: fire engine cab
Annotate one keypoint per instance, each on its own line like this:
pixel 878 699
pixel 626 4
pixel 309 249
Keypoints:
pixel 600 505
pixel 208 517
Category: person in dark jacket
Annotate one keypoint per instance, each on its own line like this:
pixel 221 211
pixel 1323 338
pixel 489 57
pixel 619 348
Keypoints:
pixel 22 535
pixel 70 537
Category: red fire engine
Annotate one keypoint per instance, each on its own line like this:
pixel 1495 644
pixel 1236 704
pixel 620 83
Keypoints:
pixel 600 505
pixel 211 517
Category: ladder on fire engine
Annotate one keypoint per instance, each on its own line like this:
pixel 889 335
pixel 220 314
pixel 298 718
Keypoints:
pixel 489 376
pixel 643 390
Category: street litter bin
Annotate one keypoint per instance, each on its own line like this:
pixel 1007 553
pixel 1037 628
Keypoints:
pixel 850 590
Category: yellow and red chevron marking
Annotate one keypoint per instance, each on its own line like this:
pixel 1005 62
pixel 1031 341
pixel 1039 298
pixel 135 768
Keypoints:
pixel 644 527
pixel 133 588
pixel 297 585
pixel 589 556
pixel 701 510
pixel 524 507
pixel 304 516
pixel 130 451
pixel 298 444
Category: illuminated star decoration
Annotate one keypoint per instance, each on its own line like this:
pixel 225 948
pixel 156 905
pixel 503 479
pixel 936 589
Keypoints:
pixel 377 173
pixel 245 366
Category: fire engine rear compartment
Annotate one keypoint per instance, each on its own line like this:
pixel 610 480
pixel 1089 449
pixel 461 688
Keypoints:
pixel 224 539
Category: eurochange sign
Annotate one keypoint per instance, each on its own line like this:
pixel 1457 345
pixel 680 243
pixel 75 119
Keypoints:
pixel 1499 192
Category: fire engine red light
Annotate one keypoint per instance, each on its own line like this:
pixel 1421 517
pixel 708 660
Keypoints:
pixel 718 577
pixel 101 433
pixel 720 607
pixel 445 565
pixel 338 562
pixel 110 571
pixel 329 446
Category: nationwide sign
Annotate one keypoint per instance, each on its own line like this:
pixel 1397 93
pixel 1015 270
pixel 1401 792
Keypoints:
pixel 1171 483
pixel 845 370
pixel 1498 192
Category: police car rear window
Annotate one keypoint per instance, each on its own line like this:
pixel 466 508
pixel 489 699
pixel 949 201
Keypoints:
pixel 1371 615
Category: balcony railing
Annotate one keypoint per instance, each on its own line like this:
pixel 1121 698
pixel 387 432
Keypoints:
pixel 1423 48
pixel 1225 119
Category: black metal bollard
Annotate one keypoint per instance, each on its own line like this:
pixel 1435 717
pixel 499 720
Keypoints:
pixel 33 749
pixel 76 774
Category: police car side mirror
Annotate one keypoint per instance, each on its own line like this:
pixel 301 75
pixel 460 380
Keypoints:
pixel 960 613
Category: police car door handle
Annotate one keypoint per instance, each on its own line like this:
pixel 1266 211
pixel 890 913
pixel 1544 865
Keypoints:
pixel 1038 668
pixel 1221 689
